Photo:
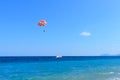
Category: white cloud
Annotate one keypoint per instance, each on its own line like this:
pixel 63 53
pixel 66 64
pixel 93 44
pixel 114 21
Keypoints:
pixel 85 33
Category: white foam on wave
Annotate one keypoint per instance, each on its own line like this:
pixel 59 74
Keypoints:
pixel 107 73
pixel 114 78
pixel 111 72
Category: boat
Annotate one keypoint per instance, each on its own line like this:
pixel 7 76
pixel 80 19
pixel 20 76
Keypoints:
pixel 58 56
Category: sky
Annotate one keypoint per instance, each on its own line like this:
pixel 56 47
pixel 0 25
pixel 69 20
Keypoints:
pixel 74 27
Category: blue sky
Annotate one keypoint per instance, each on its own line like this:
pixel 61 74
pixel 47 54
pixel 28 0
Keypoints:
pixel 75 27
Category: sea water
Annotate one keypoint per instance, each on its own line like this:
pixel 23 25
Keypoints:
pixel 66 68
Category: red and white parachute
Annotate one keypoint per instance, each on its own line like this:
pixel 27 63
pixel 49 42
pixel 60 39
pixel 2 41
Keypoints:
pixel 42 23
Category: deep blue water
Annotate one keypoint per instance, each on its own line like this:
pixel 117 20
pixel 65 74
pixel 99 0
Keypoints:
pixel 66 68
pixel 52 58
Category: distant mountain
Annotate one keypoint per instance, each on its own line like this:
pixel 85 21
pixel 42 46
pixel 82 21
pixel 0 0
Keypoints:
pixel 118 55
pixel 110 54
pixel 106 54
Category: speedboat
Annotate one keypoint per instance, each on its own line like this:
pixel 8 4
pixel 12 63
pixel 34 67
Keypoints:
pixel 58 56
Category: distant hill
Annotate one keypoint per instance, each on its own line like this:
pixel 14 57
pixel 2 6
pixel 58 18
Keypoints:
pixel 107 54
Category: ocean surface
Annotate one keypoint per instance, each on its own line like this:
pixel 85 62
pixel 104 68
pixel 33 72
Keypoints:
pixel 66 68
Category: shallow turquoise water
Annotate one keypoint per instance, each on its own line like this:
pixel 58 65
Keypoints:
pixel 99 69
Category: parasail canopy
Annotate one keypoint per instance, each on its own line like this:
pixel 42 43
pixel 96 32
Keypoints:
pixel 42 23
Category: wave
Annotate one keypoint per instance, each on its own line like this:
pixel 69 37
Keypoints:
pixel 116 78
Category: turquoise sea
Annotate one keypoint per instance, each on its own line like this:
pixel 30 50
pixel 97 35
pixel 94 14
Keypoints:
pixel 66 68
